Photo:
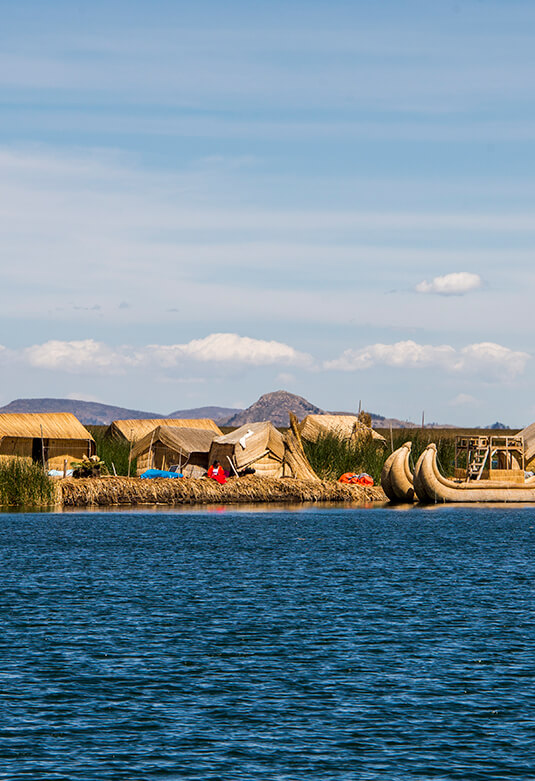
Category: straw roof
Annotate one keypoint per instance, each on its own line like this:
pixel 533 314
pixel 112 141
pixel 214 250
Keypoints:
pixel 50 425
pixel 134 430
pixel 529 442
pixel 182 440
pixel 343 426
pixel 248 444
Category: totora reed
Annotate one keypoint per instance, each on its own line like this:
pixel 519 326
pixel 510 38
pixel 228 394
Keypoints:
pixel 243 490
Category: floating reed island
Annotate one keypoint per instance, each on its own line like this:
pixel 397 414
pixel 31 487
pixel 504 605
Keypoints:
pixel 265 463
pixel 250 489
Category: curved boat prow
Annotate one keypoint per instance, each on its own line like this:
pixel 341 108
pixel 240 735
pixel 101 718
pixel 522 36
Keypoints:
pixel 396 477
pixel 420 487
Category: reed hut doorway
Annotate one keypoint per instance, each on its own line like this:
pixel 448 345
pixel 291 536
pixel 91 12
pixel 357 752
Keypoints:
pixel 39 450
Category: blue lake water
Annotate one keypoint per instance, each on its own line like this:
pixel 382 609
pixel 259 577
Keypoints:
pixel 319 644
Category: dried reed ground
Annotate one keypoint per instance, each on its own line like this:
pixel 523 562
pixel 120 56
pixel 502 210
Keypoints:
pixel 243 490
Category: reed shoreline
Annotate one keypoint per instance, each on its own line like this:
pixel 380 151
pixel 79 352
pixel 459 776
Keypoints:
pixel 121 491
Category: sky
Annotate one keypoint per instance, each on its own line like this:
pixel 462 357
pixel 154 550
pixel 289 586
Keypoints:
pixel 203 202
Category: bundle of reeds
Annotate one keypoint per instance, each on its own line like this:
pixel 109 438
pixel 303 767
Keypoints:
pixel 248 490
pixel 116 453
pixel 24 484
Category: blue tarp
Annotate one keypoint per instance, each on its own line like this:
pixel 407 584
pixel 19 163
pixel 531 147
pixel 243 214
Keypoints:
pixel 150 473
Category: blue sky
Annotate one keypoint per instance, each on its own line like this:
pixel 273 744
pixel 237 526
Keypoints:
pixel 201 202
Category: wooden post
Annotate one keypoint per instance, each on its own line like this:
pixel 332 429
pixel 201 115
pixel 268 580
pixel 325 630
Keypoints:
pixel 64 467
pixel 232 466
pixel 423 419
pixel 43 449
pixel 130 451
pixel 391 438
pixel 150 451
pixel 360 406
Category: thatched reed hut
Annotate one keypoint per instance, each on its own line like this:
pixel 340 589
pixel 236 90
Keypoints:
pixel 170 446
pixel 529 445
pixel 256 445
pixel 47 438
pixel 134 430
pixel 344 427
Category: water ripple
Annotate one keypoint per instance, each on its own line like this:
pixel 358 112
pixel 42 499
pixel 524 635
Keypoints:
pixel 334 644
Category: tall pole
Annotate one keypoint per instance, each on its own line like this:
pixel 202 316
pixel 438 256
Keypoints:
pixel 130 451
pixel 43 449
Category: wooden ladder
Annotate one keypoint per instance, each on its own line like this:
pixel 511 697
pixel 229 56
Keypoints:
pixel 476 467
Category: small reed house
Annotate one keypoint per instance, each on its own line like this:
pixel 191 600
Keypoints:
pixel 47 438
pixel 135 430
pixel 185 450
pixel 344 427
pixel 256 445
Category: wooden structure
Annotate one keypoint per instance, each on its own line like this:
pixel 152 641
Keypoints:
pixel 499 457
pixel 432 487
pixel 345 427
pixel 174 448
pixel 46 438
pixel 134 430
pixel 256 445
pixel 528 436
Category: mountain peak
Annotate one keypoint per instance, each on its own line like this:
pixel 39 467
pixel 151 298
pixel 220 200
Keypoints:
pixel 275 406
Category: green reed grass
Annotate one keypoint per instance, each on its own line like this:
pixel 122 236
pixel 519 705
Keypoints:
pixel 23 483
pixel 330 457
pixel 420 439
pixel 112 451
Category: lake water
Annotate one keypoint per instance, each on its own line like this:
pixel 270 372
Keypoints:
pixel 316 644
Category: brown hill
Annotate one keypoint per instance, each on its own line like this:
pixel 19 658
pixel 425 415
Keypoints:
pixel 275 407
pixel 215 413
pixel 88 412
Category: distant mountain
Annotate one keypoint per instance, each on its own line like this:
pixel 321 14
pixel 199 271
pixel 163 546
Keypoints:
pixel 498 425
pixel 218 414
pixel 87 412
pixel 379 421
pixel 275 407
pixel 271 406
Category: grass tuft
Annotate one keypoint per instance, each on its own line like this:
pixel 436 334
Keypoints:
pixel 24 484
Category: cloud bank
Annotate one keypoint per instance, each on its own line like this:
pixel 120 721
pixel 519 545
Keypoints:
pixel 456 284
pixel 89 355
pixel 488 360
pixel 485 358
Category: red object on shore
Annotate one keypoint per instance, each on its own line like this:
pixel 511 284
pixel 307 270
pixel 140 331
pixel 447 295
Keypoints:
pixel 217 473
pixel 351 478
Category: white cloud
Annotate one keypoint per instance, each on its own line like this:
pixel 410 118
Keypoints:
pixel 456 284
pixel 463 399
pixel 229 348
pixel 486 358
pixel 91 356
pixel 407 354
pixel 77 357
pixel 83 396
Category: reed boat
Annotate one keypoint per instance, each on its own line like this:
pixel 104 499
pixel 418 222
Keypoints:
pixel 432 487
pixel 396 475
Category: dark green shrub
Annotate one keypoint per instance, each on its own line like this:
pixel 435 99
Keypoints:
pixel 114 452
